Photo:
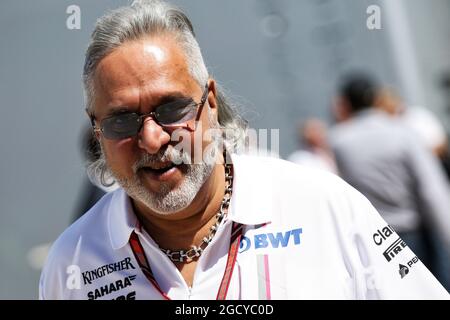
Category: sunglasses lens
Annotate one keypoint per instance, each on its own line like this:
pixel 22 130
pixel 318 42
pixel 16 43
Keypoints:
pixel 121 126
pixel 176 112
pixel 128 124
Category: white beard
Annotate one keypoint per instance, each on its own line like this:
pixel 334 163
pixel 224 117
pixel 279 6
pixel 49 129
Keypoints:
pixel 168 199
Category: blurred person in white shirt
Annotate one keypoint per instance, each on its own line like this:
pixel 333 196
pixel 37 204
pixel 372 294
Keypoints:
pixel 315 151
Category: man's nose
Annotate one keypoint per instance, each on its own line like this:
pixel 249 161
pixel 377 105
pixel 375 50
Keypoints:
pixel 152 136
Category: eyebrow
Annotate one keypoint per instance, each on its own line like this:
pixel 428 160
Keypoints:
pixel 171 97
pixel 115 111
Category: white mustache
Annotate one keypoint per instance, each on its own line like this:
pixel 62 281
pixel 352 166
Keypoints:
pixel 172 155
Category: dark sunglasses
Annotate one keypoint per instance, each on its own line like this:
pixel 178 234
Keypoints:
pixel 174 114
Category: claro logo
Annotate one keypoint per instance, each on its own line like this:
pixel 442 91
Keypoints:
pixel 382 235
pixel 271 240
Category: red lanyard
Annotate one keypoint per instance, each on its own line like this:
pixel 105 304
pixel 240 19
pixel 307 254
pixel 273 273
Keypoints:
pixel 139 254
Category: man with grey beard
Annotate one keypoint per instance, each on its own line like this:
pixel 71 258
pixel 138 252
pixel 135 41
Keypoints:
pixel 168 199
pixel 192 218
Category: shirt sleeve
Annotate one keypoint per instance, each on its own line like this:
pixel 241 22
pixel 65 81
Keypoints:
pixel 384 267
pixel 48 284
pixel 52 283
pixel 41 288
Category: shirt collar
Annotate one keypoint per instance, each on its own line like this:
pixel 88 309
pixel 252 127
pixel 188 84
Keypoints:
pixel 251 201
pixel 121 219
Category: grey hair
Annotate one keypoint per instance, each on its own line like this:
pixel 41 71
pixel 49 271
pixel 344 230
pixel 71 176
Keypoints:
pixel 146 18
pixel 142 18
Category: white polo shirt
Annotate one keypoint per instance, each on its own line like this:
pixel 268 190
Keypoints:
pixel 307 235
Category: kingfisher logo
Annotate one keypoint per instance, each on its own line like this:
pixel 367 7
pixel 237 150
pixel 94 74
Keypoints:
pixel 271 240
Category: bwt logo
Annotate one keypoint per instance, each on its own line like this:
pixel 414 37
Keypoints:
pixel 271 240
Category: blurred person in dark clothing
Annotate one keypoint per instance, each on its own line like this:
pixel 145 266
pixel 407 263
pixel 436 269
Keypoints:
pixel 379 156
pixel 427 127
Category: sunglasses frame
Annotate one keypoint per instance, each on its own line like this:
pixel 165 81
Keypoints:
pixel 152 114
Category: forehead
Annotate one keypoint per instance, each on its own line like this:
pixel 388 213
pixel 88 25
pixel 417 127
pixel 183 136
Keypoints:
pixel 141 71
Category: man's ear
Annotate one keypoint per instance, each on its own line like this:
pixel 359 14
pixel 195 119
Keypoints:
pixel 212 94
pixel 91 119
